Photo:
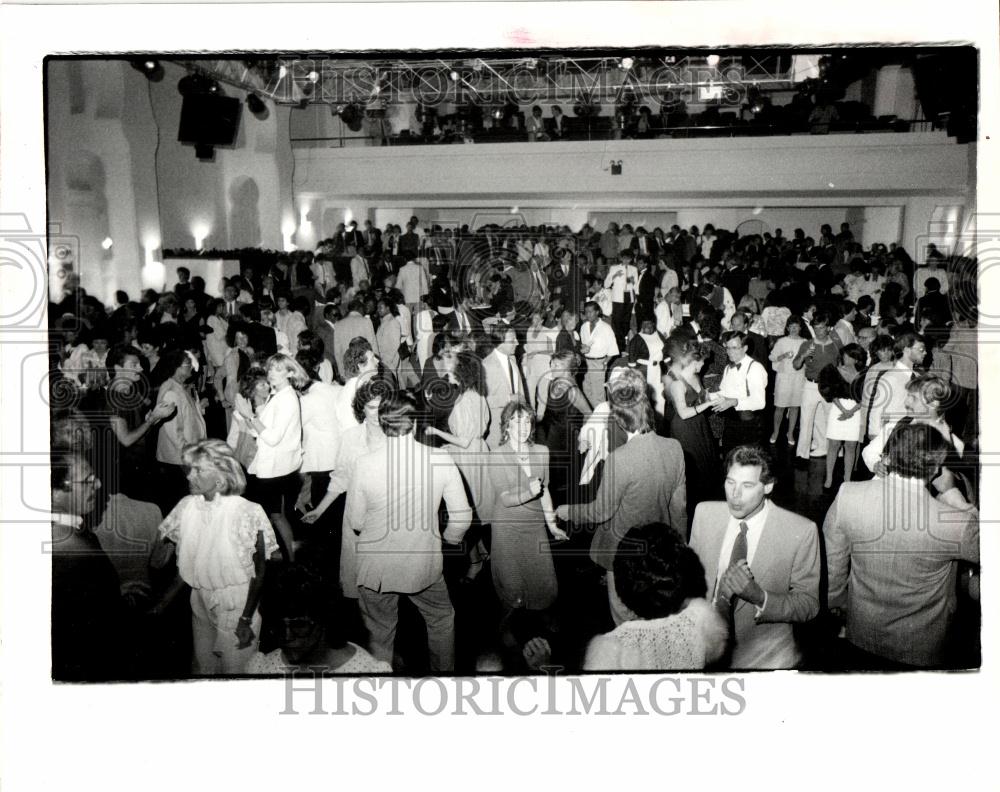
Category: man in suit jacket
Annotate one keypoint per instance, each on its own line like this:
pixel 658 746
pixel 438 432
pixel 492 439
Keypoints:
pixel 262 339
pixel 646 293
pixel 761 563
pixel 352 326
pixel 373 241
pixel 644 245
pixel 892 556
pixel 504 380
pixel 409 243
pixel 566 278
pixel 643 482
pixel 325 331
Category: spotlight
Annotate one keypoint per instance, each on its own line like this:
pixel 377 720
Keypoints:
pixel 713 60
pixel 498 113
pixel 313 76
pixel 627 63
pixel 107 243
pixel 150 69
pixel 256 106
pixel 453 75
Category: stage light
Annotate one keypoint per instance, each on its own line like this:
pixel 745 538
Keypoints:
pixel 150 69
pixel 282 72
pixel 713 60
pixel 257 106
pixel 454 75
pixel 313 76
pixel 498 114
pixel 107 243
pixel 627 63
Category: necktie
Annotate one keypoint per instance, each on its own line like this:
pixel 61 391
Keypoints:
pixel 513 377
pixel 733 366
pixel 739 553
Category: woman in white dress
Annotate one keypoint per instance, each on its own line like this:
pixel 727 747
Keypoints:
pixel 539 344
pixel 789 383
pixel 223 542
pixel 673 627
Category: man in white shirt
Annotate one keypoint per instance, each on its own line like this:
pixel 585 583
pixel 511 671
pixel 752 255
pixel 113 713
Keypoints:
pixel 742 389
pixel 413 283
pixel 668 312
pixel 889 402
pixel 762 563
pixel 623 280
pixel 324 277
pixel 598 345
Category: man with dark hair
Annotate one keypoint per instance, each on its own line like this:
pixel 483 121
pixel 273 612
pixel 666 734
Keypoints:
pixel 504 378
pixel 183 287
pixel 89 617
pixel 742 393
pixel 623 281
pixel 892 556
pixel 762 563
pixel 394 506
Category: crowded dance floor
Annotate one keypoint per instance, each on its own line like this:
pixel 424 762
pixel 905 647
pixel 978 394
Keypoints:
pixel 501 446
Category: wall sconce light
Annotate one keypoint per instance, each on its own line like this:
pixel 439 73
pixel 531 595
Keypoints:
pixel 616 167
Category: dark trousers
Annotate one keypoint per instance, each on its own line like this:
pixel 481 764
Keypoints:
pixel 621 316
pixel 741 431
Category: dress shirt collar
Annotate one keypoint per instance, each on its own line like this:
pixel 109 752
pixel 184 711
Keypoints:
pixel 755 528
pixel 70 520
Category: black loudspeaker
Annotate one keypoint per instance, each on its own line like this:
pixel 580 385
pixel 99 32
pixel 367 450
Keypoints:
pixel 209 119
pixel 947 85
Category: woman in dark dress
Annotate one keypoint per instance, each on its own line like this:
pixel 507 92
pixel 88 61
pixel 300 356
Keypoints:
pixel 562 410
pixel 687 411
pixel 121 417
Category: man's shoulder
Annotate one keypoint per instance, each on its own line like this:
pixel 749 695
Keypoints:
pixel 795 524
pixel 712 511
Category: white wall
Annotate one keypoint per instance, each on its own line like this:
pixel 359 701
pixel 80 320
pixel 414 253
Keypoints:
pixel 825 167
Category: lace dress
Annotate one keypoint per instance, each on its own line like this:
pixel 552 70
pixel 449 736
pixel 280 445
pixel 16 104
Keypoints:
pixel 685 641
pixel 359 664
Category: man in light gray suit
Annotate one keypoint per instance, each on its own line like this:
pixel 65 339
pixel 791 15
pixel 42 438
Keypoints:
pixel 352 326
pixel 892 555
pixel 761 562
pixel 643 482
pixel 504 380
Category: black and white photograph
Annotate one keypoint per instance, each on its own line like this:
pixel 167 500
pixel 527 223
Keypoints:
pixel 522 368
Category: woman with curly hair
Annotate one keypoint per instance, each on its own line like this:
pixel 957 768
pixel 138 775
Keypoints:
pixel 278 428
pixel 523 573
pixel 673 626
pixel 223 542
pixel 467 426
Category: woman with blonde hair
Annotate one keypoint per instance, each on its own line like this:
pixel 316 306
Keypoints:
pixel 278 428
pixel 223 541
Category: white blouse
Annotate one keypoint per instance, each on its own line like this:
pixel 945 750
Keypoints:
pixel 216 540
pixel 279 446
pixel 320 427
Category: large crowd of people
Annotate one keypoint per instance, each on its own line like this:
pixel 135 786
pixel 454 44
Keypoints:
pixel 430 450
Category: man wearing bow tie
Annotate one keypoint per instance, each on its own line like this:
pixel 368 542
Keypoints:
pixel 742 393
pixel 623 280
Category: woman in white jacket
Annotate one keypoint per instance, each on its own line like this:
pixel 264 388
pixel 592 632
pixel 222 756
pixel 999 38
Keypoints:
pixel 278 428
